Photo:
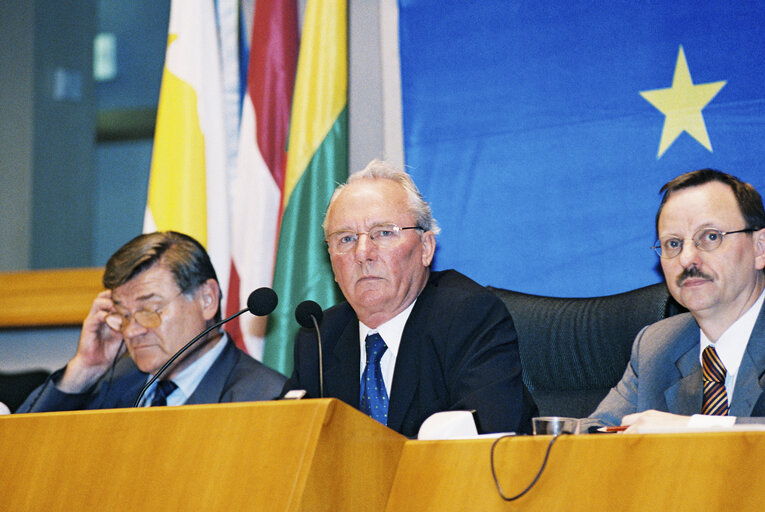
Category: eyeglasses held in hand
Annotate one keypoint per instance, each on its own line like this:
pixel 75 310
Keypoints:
pixel 149 319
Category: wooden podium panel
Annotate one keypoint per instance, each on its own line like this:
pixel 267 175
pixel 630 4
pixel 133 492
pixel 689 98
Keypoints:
pixel 624 472
pixel 282 456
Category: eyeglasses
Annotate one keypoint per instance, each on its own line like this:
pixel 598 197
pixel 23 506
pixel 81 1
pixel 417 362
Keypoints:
pixel 145 317
pixel 705 240
pixel 384 236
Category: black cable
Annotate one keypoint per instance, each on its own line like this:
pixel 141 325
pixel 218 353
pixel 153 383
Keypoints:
pixel 321 363
pixel 183 349
pixel 103 395
pixel 533 482
pixel 111 374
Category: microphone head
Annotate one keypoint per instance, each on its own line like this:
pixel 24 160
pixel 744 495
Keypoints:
pixel 262 301
pixel 305 310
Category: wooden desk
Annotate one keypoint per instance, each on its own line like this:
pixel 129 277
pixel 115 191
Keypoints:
pixel 660 472
pixel 315 455
pixel 307 455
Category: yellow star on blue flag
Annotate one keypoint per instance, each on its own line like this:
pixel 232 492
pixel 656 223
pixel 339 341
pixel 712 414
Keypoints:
pixel 544 124
pixel 681 105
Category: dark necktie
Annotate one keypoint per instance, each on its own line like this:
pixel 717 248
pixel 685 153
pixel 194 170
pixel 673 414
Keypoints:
pixel 715 397
pixel 164 388
pixel 374 397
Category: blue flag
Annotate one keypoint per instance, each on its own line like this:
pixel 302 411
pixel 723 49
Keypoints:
pixel 542 134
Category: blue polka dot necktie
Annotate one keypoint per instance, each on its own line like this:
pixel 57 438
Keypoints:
pixel 715 397
pixel 163 390
pixel 374 397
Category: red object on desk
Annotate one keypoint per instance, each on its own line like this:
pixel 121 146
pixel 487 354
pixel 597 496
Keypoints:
pixel 618 428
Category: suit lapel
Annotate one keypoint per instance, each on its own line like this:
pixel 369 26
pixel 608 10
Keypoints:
pixel 341 373
pixel 210 388
pixel 407 368
pixel 750 381
pixel 128 393
pixel 122 389
pixel 683 396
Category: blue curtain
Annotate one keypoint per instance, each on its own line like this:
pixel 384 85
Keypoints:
pixel 526 129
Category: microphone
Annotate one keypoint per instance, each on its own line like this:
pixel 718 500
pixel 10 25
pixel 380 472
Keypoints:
pixel 261 302
pixel 308 314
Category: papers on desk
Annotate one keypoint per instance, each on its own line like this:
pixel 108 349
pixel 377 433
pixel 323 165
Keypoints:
pixel 452 425
pixel 448 425
pixel 741 427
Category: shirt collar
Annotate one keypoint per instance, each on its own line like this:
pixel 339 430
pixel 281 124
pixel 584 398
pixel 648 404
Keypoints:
pixel 189 378
pixel 391 332
pixel 731 345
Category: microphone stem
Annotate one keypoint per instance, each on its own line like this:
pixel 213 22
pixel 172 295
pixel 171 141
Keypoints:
pixel 321 364
pixel 181 351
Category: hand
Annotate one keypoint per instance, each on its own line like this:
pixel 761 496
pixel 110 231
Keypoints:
pixel 98 347
pixel 653 419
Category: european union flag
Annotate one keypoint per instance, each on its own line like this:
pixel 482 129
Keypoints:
pixel 541 134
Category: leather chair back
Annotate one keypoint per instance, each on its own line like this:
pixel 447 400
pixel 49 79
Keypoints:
pixel 15 387
pixel 573 350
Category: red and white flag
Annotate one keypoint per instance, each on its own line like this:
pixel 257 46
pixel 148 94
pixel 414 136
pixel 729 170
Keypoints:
pixel 258 181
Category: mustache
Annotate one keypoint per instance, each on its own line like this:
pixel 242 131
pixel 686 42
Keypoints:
pixel 691 273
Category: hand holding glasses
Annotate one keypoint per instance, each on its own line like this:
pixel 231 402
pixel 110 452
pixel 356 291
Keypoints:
pixel 147 318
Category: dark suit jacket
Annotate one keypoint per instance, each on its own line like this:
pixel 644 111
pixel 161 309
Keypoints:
pixel 664 373
pixel 458 351
pixel 233 377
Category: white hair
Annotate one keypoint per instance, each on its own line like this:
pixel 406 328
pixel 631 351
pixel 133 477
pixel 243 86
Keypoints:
pixel 382 170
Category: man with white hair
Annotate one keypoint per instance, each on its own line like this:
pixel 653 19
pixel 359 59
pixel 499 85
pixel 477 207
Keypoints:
pixel 408 342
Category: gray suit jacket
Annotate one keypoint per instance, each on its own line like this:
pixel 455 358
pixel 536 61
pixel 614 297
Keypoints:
pixel 664 373
pixel 233 377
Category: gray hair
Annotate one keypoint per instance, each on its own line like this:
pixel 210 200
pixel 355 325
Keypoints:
pixel 183 256
pixel 381 170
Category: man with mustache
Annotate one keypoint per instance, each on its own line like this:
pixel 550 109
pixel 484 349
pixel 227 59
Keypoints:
pixel 710 362
pixel 409 342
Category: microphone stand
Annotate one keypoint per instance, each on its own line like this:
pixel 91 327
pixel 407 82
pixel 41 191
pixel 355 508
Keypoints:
pixel 321 364
pixel 181 351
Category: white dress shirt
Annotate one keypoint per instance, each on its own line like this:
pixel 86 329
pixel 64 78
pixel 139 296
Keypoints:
pixel 390 332
pixel 732 344
pixel 730 348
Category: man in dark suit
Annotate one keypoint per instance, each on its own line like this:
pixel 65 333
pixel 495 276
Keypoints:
pixel 710 362
pixel 162 291
pixel 408 342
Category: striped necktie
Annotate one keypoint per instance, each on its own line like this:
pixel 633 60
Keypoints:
pixel 715 397
pixel 163 390
pixel 374 398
